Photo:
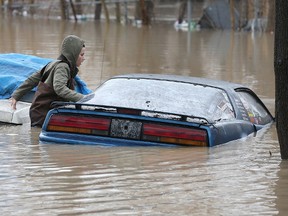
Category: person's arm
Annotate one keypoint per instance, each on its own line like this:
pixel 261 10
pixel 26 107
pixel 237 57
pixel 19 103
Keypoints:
pixel 61 76
pixel 13 103
pixel 31 82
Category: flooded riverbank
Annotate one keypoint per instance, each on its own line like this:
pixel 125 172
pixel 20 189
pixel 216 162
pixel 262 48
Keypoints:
pixel 244 177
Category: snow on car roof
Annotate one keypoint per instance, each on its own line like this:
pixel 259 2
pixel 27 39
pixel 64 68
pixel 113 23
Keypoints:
pixel 163 94
pixel 187 79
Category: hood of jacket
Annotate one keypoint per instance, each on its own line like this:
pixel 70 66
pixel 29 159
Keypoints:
pixel 70 49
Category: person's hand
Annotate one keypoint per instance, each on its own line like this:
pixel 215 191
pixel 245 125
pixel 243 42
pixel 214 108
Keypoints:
pixel 13 103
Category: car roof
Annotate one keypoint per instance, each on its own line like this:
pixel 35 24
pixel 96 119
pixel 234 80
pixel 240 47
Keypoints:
pixel 225 85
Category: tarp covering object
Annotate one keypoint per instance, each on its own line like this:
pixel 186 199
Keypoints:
pixel 15 68
pixel 217 15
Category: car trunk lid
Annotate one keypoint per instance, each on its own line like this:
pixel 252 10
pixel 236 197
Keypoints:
pixel 130 124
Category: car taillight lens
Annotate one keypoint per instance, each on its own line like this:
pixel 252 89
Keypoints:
pixel 174 135
pixel 79 124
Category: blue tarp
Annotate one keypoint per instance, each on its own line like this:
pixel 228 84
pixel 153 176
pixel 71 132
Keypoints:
pixel 15 68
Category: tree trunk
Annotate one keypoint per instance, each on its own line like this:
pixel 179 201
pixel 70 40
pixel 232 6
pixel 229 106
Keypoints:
pixel 78 7
pixel 144 15
pixel 250 9
pixel 105 10
pixel 146 9
pixel 232 17
pixel 243 13
pixel 182 11
pixel 64 10
pixel 118 12
pixel 32 8
pixel 98 9
pixel 281 74
pixel 271 16
pixel 73 10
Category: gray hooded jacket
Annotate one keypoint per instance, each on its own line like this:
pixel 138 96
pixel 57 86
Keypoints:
pixel 61 72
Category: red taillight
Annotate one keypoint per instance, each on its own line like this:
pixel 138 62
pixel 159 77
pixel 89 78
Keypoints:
pixel 173 134
pixel 79 124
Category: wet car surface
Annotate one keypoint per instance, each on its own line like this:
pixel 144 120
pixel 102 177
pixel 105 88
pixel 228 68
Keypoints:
pixel 154 109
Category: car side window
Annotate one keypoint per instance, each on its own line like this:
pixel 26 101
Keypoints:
pixel 220 107
pixel 257 114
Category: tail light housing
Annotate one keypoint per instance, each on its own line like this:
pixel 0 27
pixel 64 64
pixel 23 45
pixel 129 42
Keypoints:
pixel 174 134
pixel 79 124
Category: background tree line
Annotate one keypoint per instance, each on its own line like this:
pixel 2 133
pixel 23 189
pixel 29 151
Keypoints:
pixel 252 14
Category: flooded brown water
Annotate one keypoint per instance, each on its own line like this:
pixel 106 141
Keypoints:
pixel 238 178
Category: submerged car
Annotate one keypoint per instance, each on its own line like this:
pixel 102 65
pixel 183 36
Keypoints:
pixel 154 109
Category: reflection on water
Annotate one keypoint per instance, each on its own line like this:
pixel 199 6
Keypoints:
pixel 244 177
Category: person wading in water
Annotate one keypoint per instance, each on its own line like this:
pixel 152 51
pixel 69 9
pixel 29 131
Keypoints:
pixel 55 82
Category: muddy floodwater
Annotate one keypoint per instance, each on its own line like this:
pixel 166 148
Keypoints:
pixel 243 177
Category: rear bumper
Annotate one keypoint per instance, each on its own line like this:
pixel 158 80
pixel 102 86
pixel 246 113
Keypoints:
pixel 54 137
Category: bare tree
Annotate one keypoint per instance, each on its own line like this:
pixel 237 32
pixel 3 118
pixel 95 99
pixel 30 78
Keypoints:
pixel 243 12
pixel 281 74
pixel 118 12
pixel 78 8
pixel 144 11
pixel 271 16
pixel 232 14
pixel 73 10
pixel 98 10
pixel 64 9
pixel 32 8
pixel 182 11
pixel 105 10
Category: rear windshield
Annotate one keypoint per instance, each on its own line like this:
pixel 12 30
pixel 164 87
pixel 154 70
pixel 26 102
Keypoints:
pixel 165 96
